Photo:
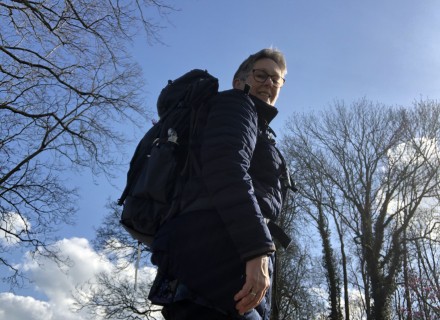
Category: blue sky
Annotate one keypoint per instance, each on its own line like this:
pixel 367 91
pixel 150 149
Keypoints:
pixel 386 51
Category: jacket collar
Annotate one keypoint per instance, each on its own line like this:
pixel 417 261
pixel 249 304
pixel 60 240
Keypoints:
pixel 265 111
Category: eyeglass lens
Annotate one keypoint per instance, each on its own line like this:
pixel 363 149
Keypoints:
pixel 261 76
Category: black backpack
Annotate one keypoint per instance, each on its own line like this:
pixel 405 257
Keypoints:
pixel 161 161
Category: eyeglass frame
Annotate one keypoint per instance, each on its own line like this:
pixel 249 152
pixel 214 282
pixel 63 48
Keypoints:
pixel 269 76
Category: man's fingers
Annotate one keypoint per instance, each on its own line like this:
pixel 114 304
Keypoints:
pixel 243 292
pixel 250 301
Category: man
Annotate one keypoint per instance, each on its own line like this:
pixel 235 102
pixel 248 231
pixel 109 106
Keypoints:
pixel 215 258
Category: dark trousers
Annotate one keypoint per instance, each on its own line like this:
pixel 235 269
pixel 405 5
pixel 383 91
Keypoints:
pixel 188 310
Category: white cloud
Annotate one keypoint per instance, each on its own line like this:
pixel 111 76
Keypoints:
pixel 416 152
pixel 14 307
pixel 58 284
pixel 83 265
pixel 11 223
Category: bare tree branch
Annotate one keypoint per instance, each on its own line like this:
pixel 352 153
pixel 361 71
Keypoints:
pixel 67 84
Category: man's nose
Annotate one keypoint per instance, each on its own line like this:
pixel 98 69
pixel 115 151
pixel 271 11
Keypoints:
pixel 270 81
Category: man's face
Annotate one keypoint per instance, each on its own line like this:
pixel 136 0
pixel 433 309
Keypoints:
pixel 262 88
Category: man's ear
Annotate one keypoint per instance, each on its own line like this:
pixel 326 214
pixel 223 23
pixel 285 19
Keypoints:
pixel 237 83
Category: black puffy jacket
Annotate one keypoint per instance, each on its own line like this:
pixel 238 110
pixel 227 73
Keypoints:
pixel 227 201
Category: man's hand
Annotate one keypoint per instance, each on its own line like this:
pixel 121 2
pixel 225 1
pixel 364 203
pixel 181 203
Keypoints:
pixel 257 282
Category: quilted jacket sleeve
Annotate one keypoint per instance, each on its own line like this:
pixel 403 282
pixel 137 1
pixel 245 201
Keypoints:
pixel 227 147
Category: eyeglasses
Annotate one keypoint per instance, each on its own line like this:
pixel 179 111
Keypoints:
pixel 261 77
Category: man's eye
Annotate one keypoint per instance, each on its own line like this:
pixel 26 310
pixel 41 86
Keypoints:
pixel 276 79
pixel 261 75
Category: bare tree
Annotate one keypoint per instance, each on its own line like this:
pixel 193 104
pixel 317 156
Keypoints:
pixel 294 275
pixel 418 291
pixel 113 296
pixel 378 165
pixel 66 82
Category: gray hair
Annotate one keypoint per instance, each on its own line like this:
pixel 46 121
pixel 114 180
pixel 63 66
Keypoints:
pixel 246 66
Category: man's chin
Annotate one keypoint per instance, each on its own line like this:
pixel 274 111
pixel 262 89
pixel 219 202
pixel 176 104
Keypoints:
pixel 265 99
